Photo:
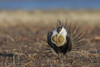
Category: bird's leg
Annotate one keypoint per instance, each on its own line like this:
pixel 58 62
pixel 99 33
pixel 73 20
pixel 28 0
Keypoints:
pixel 61 58
pixel 64 57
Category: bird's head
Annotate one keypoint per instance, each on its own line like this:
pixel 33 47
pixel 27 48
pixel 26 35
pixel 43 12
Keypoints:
pixel 59 36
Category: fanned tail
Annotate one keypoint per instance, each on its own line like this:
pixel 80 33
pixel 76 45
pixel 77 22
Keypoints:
pixel 76 33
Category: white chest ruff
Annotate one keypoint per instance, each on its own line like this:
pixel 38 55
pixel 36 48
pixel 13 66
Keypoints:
pixel 62 33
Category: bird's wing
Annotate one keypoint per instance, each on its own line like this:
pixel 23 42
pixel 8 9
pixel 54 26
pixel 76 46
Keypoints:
pixel 69 43
pixel 51 44
pixel 49 39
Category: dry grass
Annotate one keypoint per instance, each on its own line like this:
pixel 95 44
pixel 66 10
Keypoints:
pixel 49 16
pixel 24 45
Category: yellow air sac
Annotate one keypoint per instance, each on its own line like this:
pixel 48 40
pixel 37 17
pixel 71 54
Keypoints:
pixel 60 39
pixel 54 38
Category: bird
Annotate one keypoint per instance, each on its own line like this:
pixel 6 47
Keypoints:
pixel 65 37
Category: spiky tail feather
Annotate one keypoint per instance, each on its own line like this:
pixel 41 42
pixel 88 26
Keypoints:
pixel 75 32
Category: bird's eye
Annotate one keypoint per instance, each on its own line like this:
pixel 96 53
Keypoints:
pixel 54 38
pixel 60 39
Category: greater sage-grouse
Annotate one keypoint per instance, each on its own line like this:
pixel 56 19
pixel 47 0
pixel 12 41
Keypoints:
pixel 64 37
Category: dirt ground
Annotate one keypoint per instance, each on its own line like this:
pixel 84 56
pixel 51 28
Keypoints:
pixel 24 45
pixel 23 37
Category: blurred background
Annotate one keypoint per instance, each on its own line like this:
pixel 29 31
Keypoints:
pixel 24 25
pixel 47 11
